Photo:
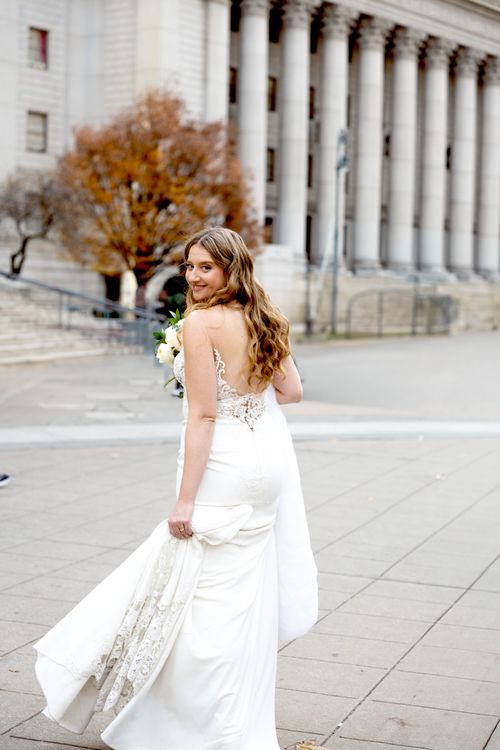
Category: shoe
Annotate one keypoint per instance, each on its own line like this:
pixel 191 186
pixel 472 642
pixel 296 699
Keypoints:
pixel 4 480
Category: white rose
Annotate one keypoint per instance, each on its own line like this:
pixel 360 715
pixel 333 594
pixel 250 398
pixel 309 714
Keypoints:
pixel 172 338
pixel 164 354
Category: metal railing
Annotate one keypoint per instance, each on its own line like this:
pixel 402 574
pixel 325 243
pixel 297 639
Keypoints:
pixel 94 317
pixel 421 311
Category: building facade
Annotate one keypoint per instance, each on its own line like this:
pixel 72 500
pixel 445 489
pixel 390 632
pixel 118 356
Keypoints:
pixel 415 85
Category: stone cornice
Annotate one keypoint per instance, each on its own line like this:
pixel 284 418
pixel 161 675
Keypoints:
pixel 406 42
pixel 297 13
pixel 437 53
pixel 461 22
pixel 255 7
pixel 467 61
pixel 336 21
pixel 491 71
pixel 373 32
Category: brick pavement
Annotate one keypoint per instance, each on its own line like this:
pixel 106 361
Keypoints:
pixel 406 652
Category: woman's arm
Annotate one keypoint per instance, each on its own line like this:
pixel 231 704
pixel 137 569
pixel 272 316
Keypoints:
pixel 201 387
pixel 288 386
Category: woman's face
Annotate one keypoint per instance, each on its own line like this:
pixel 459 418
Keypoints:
pixel 204 277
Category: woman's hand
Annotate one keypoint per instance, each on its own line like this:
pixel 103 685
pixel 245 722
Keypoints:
pixel 179 522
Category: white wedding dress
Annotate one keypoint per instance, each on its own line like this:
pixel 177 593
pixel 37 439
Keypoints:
pixel 180 641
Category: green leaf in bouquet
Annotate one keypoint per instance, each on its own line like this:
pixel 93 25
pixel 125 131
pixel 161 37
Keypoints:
pixel 175 318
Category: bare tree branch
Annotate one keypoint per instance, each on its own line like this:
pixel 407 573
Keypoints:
pixel 29 200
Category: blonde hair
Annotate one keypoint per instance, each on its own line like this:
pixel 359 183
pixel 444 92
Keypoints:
pixel 267 327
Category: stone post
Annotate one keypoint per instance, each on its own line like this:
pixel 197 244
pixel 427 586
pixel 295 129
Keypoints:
pixel 252 98
pixel 294 125
pixel 403 151
pixel 217 59
pixel 488 244
pixel 433 185
pixel 368 158
pixel 333 118
pixel 463 164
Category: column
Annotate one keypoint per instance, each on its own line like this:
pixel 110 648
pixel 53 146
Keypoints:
pixel 368 159
pixel 294 124
pixel 463 164
pixel 11 61
pixel 333 118
pixel 403 151
pixel 488 243
pixel 252 98
pixel 157 52
pixel 434 143
pixel 217 26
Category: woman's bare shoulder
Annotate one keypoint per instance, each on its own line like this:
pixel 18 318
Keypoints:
pixel 214 317
pixel 201 318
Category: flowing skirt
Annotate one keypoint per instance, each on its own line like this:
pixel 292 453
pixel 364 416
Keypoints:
pixel 180 641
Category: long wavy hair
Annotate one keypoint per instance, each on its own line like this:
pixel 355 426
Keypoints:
pixel 268 328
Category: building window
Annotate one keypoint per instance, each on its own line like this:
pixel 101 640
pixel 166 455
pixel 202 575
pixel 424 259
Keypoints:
pixel 270 164
pixel 268 230
pixel 387 145
pixel 235 17
pixel 309 238
pixel 272 90
pixel 36 132
pixel 38 48
pixel 275 23
pixel 233 84
pixel 312 106
pixel 310 171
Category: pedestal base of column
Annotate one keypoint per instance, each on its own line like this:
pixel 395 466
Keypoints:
pixel 464 274
pixel 435 274
pixel 400 267
pixel 367 268
pixel 405 271
pixel 489 274
pixel 344 272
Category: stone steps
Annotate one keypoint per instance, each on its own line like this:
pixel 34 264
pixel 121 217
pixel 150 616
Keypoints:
pixel 30 331
pixel 24 358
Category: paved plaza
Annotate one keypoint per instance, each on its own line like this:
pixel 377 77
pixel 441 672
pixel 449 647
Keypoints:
pixel 399 447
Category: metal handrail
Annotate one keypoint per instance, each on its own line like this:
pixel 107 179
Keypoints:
pixel 131 323
pixel 139 312
pixel 418 295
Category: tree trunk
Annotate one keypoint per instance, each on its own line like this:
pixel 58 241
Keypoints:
pixel 17 259
pixel 142 279
pixel 112 286
pixel 140 296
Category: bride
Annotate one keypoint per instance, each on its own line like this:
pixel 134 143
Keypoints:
pixel 180 641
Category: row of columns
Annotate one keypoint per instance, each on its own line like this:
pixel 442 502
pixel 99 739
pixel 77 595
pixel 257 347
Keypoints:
pixel 467 173
pixel 439 196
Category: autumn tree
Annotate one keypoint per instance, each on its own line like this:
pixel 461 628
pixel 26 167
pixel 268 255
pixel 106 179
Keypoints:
pixel 141 184
pixel 28 205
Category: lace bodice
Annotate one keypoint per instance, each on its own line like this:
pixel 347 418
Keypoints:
pixel 247 407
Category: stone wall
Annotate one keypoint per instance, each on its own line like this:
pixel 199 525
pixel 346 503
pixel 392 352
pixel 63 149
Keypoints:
pixel 477 302
pixel 51 266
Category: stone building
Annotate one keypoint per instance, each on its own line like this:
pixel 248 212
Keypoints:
pixel 415 83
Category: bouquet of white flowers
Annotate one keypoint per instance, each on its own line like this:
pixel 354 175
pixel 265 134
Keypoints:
pixel 168 342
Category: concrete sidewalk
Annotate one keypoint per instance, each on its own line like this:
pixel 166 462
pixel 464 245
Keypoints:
pixel 406 652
